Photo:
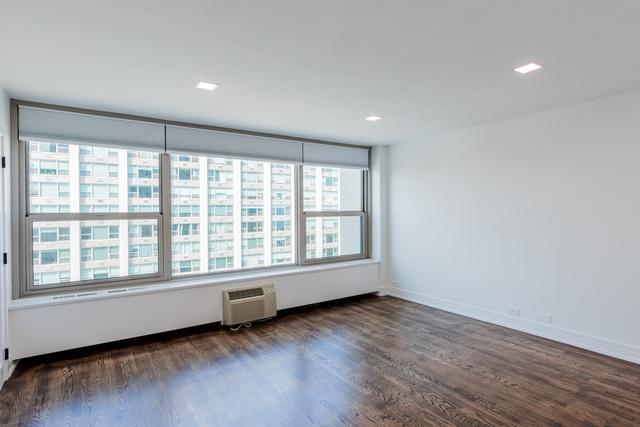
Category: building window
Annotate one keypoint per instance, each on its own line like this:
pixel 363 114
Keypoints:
pixel 221 228
pixel 218 246
pixel 252 227
pixel 253 243
pixel 252 261
pixel 220 263
pixel 252 211
pixel 221 210
pixel 232 213
pixel 334 213
pixel 87 247
pixel 97 216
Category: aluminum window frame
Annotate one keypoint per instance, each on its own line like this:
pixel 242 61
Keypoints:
pixel 22 220
pixel 27 219
pixel 232 271
pixel 362 214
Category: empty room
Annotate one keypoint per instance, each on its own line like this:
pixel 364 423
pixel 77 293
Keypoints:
pixel 320 213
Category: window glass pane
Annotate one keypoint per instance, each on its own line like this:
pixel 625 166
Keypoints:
pixel 70 251
pixel 97 185
pixel 333 236
pixel 332 189
pixel 243 208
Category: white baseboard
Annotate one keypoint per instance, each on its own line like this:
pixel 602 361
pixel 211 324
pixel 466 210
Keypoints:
pixel 384 290
pixel 4 376
pixel 12 367
pixel 578 339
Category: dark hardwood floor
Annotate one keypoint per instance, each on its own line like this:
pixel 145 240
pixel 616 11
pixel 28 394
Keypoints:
pixel 371 361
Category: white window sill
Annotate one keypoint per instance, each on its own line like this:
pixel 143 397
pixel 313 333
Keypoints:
pixel 177 284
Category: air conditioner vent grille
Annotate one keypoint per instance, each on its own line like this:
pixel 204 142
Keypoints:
pixel 86 294
pixel 246 293
pixel 57 297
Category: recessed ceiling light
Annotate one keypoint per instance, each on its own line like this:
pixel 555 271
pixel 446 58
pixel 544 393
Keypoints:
pixel 528 68
pixel 373 118
pixel 206 86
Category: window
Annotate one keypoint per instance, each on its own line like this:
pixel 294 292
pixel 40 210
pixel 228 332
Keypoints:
pixel 186 248
pixel 99 170
pixel 221 228
pixel 252 177
pixel 220 263
pixel 216 175
pixel 283 179
pixel 142 230
pixel 252 261
pixel 221 193
pixel 252 194
pixel 232 214
pixel 49 190
pixel 253 243
pixel 334 213
pixel 253 211
pixel 99 232
pixel 282 242
pixel 220 245
pixel 100 253
pixel 185 230
pixel 51 234
pixel 281 225
pixel 141 172
pixel 87 247
pixel 109 214
pixel 281 211
pixel 221 210
pixel 252 227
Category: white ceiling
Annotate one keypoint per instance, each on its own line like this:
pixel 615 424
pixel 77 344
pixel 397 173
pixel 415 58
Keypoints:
pixel 317 68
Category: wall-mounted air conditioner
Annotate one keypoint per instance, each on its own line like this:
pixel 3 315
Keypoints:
pixel 248 304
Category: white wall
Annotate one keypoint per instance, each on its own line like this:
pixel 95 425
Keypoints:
pixel 380 212
pixel 540 212
pixel 4 229
pixel 50 327
pixel 4 111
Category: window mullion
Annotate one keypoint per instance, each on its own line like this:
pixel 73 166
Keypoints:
pixel 301 227
pixel 164 238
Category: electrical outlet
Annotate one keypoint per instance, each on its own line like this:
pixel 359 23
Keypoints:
pixel 514 311
pixel 544 318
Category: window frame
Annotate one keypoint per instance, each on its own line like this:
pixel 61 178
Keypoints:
pixel 23 220
pixel 28 218
pixel 302 216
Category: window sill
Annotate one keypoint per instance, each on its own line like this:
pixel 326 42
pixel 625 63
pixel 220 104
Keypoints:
pixel 177 284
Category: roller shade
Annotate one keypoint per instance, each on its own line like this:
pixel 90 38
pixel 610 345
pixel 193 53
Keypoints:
pixel 50 125
pixel 335 155
pixel 226 144
pixel 41 124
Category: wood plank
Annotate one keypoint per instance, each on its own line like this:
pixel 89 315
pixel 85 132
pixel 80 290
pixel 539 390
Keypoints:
pixel 368 361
